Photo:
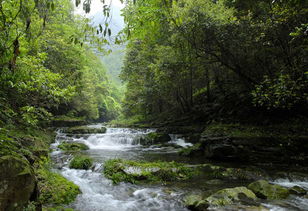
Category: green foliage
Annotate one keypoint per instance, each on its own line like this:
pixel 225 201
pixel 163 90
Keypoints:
pixel 55 189
pixel 81 162
pixel 155 172
pixel 46 66
pixel 283 92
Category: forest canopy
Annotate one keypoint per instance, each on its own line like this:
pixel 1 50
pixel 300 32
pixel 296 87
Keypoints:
pixel 214 57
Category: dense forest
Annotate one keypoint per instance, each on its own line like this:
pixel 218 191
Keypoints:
pixel 47 65
pixel 191 105
pixel 213 57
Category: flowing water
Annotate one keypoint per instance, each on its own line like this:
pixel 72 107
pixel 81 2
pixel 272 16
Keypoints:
pixel 99 194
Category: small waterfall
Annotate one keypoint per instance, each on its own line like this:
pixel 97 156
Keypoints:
pixel 111 141
pixel 115 139
pixel 179 141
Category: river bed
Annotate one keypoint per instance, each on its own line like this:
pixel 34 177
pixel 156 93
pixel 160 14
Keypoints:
pixel 99 194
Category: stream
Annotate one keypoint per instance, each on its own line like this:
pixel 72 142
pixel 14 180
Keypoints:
pixel 99 194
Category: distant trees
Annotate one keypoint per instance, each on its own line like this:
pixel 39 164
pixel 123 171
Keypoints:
pixel 192 55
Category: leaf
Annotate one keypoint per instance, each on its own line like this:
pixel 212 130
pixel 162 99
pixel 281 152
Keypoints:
pixel 109 32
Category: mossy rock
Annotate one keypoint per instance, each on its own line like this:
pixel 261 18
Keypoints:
pixel 64 121
pixel 17 183
pixel 154 138
pixel 230 196
pixel 55 189
pixel 153 172
pixel 81 162
pixel 58 208
pixel 85 130
pixel 296 190
pixel 265 190
pixel 73 146
pixel 195 202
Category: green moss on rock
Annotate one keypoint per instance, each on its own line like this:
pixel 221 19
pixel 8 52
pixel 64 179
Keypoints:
pixel 58 208
pixel 195 202
pixel 155 138
pixel 230 195
pixel 55 189
pixel 154 172
pixel 296 190
pixel 84 130
pixel 265 190
pixel 81 162
pixel 73 146
pixel 17 183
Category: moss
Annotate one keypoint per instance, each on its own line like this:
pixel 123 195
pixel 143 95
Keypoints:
pixel 265 190
pixel 81 162
pixel 230 195
pixel 73 146
pixel 17 182
pixel 296 190
pixel 251 131
pixel 84 130
pixel 154 138
pixel 195 202
pixel 55 189
pixel 58 208
pixel 154 172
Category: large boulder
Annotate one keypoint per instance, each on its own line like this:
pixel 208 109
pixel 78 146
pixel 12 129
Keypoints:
pixel 85 130
pixel 154 138
pixel 17 183
pixel 265 190
pixel 231 195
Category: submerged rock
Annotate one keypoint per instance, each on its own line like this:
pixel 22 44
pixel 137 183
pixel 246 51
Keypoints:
pixel 131 171
pixel 73 146
pixel 17 183
pixel 265 190
pixel 232 195
pixel 85 130
pixel 154 138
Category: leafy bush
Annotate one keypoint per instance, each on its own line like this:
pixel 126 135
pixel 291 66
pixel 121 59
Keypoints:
pixel 280 93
